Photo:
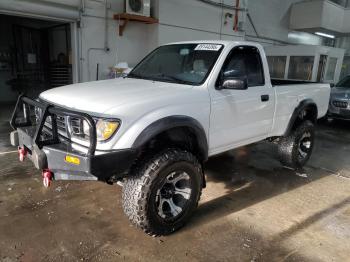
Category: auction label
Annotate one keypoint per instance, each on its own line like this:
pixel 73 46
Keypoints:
pixel 207 47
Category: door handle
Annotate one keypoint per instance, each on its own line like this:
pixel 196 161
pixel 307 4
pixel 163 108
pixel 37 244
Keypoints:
pixel 265 98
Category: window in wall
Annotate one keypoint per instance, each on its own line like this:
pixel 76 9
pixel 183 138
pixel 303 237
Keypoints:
pixel 332 64
pixel 277 66
pixel 321 68
pixel 300 67
pixel 345 71
pixel 245 61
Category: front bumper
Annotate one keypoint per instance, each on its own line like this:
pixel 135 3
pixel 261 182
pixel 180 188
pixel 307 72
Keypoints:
pixel 50 153
pixel 339 116
pixel 338 113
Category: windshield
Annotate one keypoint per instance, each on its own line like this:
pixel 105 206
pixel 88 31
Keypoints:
pixel 178 63
pixel 344 83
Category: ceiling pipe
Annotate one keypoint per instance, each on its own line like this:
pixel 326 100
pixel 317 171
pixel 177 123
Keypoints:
pixel 71 3
pixel 222 5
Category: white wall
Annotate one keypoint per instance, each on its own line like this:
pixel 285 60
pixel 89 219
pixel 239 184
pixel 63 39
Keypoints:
pixel 194 20
pixel 270 17
pixel 137 40
pixel 178 20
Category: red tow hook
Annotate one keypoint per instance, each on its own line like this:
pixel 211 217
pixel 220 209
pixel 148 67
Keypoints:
pixel 47 177
pixel 22 153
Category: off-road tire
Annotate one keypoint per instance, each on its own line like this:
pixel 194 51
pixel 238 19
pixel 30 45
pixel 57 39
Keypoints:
pixel 288 147
pixel 140 188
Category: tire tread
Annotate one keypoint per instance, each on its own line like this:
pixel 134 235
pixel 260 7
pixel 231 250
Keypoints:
pixel 137 187
pixel 287 147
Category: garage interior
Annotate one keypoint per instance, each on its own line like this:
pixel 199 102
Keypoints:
pixel 35 56
pixel 253 208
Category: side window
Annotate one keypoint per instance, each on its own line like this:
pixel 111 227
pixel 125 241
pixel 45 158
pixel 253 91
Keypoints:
pixel 235 66
pixel 245 62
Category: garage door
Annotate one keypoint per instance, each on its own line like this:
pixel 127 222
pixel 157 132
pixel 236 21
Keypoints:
pixel 66 10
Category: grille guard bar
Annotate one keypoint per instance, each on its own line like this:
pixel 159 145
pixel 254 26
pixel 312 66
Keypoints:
pixel 52 111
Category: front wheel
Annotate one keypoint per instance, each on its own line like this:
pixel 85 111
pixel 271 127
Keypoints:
pixel 163 193
pixel 295 150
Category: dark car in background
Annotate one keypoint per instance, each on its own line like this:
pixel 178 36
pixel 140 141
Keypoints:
pixel 339 104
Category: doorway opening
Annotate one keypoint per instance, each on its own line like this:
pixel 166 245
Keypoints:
pixel 35 55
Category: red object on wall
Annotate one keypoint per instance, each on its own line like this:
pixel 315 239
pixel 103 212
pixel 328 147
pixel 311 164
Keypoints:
pixel 235 26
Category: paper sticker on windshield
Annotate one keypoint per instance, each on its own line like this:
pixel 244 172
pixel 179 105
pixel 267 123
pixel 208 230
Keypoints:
pixel 207 47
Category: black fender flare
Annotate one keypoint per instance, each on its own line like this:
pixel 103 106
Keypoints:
pixel 307 103
pixel 170 122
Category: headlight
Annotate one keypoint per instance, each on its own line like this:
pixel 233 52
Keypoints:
pixel 105 129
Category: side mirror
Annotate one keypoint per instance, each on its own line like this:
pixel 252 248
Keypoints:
pixel 234 83
pixel 332 85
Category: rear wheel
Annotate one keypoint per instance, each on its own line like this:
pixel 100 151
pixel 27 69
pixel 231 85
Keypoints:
pixel 163 193
pixel 295 150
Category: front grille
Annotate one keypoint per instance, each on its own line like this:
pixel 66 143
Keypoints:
pixel 340 104
pixel 61 124
pixel 77 126
pixel 66 126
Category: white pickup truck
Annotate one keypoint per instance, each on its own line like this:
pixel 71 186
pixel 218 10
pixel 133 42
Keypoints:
pixel 153 130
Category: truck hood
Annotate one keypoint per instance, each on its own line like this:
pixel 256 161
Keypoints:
pixel 101 96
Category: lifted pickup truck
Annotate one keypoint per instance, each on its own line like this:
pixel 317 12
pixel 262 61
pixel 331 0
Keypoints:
pixel 153 130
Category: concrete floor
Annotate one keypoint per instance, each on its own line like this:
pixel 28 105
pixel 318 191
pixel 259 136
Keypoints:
pixel 252 210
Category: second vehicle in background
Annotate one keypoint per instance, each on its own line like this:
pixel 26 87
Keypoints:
pixel 339 105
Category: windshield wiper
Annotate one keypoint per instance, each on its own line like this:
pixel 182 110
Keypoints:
pixel 160 77
pixel 133 75
pixel 173 78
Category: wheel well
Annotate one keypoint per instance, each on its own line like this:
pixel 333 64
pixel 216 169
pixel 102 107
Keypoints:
pixel 178 137
pixel 308 112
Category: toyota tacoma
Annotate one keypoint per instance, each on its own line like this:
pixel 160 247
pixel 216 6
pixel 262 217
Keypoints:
pixel 153 130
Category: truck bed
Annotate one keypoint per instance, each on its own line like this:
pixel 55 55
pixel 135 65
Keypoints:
pixel 289 94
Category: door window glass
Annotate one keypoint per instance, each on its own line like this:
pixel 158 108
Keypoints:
pixel 245 62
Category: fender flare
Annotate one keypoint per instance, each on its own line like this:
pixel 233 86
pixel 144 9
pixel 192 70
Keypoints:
pixel 170 122
pixel 307 103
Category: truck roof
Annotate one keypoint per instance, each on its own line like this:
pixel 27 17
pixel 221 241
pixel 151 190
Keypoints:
pixel 222 42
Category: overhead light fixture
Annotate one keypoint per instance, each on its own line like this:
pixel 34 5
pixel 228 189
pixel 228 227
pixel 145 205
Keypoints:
pixel 325 35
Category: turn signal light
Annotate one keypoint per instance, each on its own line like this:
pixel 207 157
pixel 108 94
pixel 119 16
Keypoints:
pixel 72 159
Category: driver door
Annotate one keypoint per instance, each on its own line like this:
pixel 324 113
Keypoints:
pixel 240 117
